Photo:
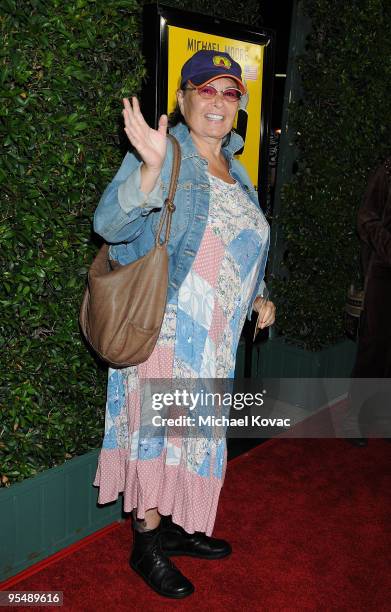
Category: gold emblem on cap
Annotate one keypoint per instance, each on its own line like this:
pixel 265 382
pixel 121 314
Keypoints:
pixel 219 60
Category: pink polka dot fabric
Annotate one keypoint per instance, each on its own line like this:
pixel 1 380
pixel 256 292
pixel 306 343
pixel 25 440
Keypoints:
pixel 208 258
pixel 219 323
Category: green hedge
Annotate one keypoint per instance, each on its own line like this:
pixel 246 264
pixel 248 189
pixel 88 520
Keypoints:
pixel 342 125
pixel 64 69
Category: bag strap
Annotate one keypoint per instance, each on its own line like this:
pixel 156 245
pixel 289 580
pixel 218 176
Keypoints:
pixel 169 205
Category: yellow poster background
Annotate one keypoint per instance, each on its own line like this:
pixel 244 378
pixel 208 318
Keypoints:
pixel 183 43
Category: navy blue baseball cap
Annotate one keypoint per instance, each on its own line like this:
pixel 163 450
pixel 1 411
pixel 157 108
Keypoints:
pixel 205 66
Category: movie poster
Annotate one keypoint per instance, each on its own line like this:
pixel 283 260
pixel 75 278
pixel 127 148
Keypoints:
pixel 182 43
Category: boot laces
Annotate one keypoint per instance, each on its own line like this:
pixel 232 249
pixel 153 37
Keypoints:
pixel 158 553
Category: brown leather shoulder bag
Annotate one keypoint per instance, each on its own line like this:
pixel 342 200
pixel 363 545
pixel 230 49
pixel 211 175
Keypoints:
pixel 123 306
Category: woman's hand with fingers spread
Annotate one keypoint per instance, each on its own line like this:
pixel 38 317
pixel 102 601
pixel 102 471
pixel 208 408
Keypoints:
pixel 150 144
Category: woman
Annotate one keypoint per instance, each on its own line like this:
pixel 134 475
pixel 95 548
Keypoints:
pixel 217 255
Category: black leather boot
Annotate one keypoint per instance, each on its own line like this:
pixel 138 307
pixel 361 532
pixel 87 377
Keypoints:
pixel 176 541
pixel 149 561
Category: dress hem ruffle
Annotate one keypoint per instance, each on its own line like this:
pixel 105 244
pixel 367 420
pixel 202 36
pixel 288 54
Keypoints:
pixel 191 499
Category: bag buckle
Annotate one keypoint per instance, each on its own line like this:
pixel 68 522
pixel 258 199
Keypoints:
pixel 170 205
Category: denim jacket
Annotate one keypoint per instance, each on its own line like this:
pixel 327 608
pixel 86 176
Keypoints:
pixel 128 219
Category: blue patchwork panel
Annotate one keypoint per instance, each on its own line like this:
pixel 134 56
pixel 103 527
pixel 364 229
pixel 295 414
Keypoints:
pixel 115 392
pixel 110 439
pixel 151 447
pixel 245 249
pixel 204 469
pixel 190 340
pixel 219 461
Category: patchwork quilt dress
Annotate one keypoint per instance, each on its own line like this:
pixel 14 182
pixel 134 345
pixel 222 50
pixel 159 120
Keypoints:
pixel 199 338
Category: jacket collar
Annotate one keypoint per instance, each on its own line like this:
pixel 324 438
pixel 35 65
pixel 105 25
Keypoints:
pixel 182 134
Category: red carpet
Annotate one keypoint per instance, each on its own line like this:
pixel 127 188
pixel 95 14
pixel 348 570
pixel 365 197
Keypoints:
pixel 309 522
